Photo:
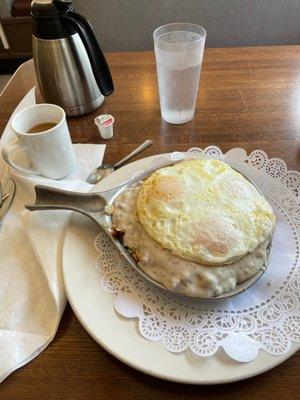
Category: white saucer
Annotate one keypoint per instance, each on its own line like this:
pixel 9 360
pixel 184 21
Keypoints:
pixel 119 336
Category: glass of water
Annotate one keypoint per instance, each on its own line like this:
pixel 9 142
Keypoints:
pixel 179 51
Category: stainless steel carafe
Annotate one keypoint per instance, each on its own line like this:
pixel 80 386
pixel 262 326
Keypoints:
pixel 71 69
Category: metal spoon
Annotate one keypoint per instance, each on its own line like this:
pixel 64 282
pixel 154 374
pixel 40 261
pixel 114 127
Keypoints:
pixel 106 169
pixel 6 198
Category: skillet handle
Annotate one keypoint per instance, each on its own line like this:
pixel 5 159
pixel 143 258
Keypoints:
pixel 48 198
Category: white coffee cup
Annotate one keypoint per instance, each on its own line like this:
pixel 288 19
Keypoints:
pixel 50 152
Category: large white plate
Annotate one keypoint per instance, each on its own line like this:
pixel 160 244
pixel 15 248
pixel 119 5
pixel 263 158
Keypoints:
pixel 119 336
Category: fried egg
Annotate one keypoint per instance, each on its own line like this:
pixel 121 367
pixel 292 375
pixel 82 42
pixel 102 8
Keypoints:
pixel 204 211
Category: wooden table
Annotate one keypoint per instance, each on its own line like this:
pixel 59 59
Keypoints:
pixel 250 98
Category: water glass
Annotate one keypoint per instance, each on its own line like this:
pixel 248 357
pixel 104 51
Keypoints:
pixel 179 51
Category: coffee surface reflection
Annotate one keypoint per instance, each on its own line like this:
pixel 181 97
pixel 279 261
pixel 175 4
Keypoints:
pixel 41 127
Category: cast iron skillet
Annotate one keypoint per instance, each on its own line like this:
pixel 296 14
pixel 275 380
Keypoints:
pixel 93 206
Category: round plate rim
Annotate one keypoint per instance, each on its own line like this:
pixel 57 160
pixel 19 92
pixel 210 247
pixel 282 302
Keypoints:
pixel 270 362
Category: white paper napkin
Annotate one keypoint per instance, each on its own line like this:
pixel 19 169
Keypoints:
pixel 32 296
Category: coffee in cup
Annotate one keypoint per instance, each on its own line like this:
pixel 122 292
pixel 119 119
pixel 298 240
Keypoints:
pixel 45 126
pixel 43 134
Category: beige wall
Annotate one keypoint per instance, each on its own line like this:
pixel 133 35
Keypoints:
pixel 128 24
pixel 5 7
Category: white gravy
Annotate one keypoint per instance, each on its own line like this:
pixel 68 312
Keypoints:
pixel 173 272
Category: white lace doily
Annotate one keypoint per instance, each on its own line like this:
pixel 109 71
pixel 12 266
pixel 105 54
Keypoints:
pixel 265 317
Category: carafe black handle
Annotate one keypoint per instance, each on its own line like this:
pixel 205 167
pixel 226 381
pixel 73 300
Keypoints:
pixel 98 62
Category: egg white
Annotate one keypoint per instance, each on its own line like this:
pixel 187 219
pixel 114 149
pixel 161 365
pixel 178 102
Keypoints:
pixel 204 211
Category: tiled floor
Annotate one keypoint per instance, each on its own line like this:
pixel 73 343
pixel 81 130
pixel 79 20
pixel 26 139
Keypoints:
pixel 3 81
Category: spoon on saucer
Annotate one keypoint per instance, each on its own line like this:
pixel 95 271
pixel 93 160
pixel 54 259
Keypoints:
pixel 106 169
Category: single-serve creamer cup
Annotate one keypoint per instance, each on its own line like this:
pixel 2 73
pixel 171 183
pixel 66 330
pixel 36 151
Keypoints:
pixel 105 124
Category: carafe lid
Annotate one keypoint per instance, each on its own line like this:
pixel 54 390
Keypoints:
pixel 50 7
pixel 46 15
